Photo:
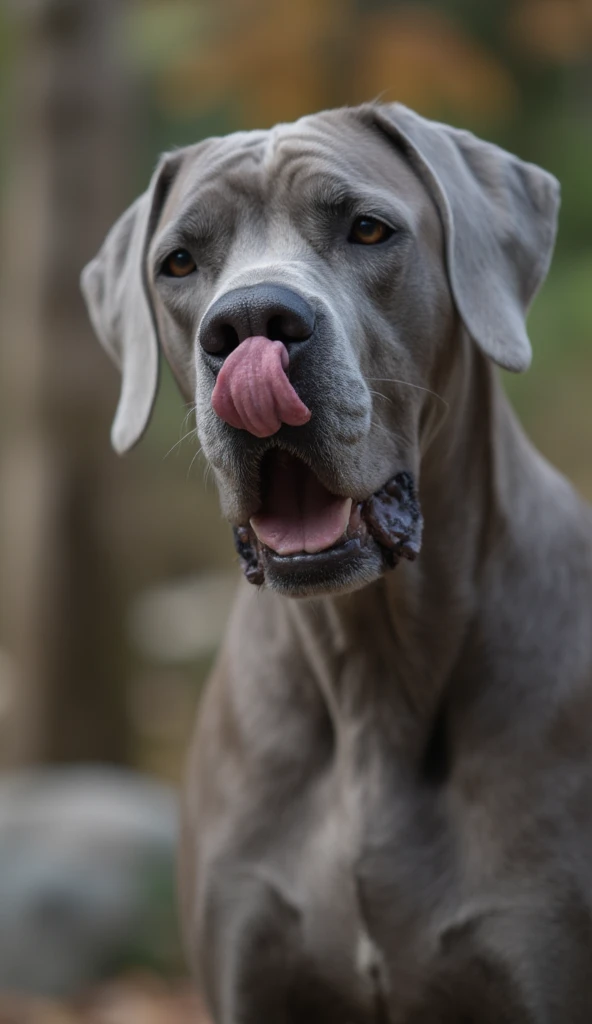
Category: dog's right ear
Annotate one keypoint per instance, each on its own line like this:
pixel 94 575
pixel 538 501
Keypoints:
pixel 115 288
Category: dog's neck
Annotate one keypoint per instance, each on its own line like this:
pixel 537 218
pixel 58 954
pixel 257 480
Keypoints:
pixel 396 642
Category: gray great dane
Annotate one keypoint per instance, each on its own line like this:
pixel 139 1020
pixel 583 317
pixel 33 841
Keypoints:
pixel 388 815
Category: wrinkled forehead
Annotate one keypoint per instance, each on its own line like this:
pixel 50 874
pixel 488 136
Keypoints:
pixel 334 155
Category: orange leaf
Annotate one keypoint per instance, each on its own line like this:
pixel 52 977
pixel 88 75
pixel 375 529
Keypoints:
pixel 424 60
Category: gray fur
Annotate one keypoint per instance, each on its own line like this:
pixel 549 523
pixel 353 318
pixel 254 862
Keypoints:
pixel 387 816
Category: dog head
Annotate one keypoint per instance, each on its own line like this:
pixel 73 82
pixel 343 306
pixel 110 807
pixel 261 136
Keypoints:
pixel 306 285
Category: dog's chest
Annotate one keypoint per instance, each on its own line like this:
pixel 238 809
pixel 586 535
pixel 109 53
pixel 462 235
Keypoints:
pixel 337 905
pixel 373 882
pixel 341 903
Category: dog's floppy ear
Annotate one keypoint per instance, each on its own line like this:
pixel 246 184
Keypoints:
pixel 116 293
pixel 500 218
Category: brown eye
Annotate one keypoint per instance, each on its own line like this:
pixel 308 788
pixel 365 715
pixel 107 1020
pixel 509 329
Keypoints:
pixel 369 231
pixel 179 264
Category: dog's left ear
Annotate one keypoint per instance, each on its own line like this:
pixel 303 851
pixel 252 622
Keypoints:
pixel 500 220
pixel 115 288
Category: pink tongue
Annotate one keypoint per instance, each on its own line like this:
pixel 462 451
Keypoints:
pixel 252 391
pixel 299 514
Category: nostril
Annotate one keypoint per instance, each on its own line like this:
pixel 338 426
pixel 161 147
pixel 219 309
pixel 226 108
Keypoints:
pixel 288 327
pixel 219 339
pixel 229 339
pixel 276 330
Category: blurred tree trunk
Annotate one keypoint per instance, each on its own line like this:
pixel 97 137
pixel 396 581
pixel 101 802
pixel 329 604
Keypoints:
pixel 61 608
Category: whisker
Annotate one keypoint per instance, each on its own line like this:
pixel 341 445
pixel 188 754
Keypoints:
pixel 197 453
pixel 380 395
pixel 180 441
pixel 191 410
pixel 407 383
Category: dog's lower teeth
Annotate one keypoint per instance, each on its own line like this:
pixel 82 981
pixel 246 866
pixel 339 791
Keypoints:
pixel 355 520
pixel 356 527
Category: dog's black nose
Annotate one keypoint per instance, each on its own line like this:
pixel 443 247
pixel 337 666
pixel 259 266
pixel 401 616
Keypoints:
pixel 270 310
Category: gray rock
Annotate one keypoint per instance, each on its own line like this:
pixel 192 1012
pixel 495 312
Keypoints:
pixel 86 877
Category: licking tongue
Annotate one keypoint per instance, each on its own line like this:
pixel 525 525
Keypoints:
pixel 253 392
pixel 299 513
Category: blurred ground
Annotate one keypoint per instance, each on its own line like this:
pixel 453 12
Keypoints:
pixel 137 999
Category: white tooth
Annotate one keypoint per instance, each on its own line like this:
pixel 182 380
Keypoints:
pixel 346 513
pixel 253 525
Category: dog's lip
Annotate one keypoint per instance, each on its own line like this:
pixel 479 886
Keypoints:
pixel 256 556
pixel 389 520
pixel 330 558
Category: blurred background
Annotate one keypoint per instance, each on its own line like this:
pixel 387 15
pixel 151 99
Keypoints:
pixel 116 575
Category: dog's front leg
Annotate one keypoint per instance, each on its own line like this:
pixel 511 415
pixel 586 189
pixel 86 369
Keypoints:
pixel 248 944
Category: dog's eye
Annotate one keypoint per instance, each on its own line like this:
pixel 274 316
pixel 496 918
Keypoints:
pixel 369 231
pixel 180 263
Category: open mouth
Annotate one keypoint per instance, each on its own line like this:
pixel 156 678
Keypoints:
pixel 307 534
